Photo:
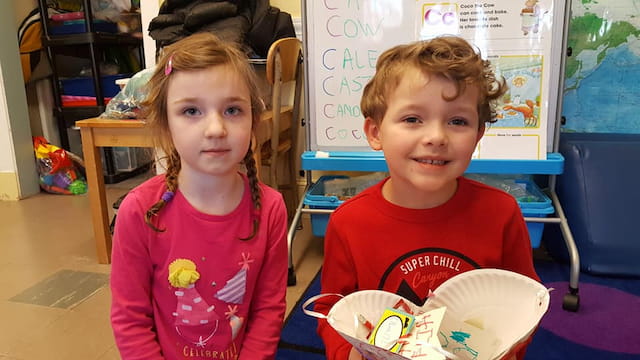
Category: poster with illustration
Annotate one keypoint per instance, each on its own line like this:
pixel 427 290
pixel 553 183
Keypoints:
pixel 530 15
pixel 516 37
pixel 520 106
pixel 521 38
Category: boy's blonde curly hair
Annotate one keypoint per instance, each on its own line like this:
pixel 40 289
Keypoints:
pixel 449 56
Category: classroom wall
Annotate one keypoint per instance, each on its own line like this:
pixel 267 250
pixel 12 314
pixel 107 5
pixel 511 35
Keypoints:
pixel 6 146
pixel 148 10
pixel 7 163
pixel 22 8
pixel 18 177
pixel 291 6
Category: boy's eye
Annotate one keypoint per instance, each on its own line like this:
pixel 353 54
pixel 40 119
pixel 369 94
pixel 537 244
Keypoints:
pixel 191 111
pixel 411 120
pixel 458 121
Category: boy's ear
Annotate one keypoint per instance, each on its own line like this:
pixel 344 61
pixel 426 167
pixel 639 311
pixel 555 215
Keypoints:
pixel 481 131
pixel 372 131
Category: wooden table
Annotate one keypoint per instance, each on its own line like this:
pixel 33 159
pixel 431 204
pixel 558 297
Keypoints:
pixel 96 133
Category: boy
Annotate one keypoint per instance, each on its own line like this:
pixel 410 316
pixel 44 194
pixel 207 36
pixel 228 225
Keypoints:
pixel 426 108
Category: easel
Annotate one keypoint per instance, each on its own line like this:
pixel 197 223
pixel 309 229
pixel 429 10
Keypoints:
pixel 367 161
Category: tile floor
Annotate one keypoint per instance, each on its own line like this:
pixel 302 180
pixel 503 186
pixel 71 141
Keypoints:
pixel 46 240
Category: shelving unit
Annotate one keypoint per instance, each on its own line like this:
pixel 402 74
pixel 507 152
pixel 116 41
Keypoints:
pixel 89 44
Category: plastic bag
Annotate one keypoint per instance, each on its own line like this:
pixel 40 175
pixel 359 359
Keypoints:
pixel 126 104
pixel 56 171
pixel 109 10
pixel 508 184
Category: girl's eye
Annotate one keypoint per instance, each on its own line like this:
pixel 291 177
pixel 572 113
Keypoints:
pixel 234 110
pixel 458 122
pixel 191 111
pixel 411 120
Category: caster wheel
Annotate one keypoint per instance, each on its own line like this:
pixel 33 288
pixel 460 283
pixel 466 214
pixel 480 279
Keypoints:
pixel 571 302
pixel 291 277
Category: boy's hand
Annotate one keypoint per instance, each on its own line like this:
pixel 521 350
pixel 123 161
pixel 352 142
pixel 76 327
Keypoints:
pixel 355 355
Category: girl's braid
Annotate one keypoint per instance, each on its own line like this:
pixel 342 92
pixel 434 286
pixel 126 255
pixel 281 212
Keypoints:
pixel 254 185
pixel 171 179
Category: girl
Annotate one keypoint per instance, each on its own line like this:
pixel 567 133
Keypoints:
pixel 199 260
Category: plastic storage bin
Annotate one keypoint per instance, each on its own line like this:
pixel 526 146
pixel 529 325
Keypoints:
pixel 131 158
pixel 541 208
pixel 315 199
pixel 78 26
pixel 83 86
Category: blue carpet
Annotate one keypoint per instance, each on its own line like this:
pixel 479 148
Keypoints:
pixel 606 327
pixel 299 340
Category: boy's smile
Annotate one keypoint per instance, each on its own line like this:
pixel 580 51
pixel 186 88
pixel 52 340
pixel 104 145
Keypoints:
pixel 427 140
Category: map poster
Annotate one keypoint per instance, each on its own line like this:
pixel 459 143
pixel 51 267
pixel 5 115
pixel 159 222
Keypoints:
pixel 601 93
pixel 516 37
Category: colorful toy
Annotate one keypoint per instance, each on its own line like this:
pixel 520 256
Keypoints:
pixel 57 172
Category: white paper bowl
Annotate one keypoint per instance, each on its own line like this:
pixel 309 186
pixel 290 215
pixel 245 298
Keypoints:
pixel 370 304
pixel 509 304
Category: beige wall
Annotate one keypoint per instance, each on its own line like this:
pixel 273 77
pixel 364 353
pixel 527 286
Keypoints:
pixel 22 9
pixel 290 6
pixel 18 177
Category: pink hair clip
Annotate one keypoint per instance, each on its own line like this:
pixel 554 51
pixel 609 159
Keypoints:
pixel 169 67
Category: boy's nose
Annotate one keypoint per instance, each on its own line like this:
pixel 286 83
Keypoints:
pixel 215 126
pixel 435 134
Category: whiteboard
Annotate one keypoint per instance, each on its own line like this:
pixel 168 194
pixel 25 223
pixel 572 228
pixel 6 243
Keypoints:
pixel 344 38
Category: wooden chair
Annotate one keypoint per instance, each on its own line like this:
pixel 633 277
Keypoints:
pixel 277 133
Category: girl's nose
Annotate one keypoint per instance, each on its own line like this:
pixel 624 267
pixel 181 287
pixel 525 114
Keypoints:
pixel 215 126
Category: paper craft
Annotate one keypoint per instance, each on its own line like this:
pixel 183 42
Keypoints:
pixel 479 314
pixel 423 342
pixel 393 326
pixel 467 341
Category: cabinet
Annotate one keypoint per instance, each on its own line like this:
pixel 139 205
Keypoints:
pixel 89 41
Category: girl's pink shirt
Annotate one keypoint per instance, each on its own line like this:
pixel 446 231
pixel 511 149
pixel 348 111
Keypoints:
pixel 234 310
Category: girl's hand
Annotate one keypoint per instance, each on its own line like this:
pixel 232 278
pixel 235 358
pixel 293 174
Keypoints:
pixel 355 355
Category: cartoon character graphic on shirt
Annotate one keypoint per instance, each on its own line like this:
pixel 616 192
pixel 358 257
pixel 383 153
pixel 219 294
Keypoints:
pixel 196 321
pixel 414 275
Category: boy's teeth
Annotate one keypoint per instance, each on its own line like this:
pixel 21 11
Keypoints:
pixel 433 162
